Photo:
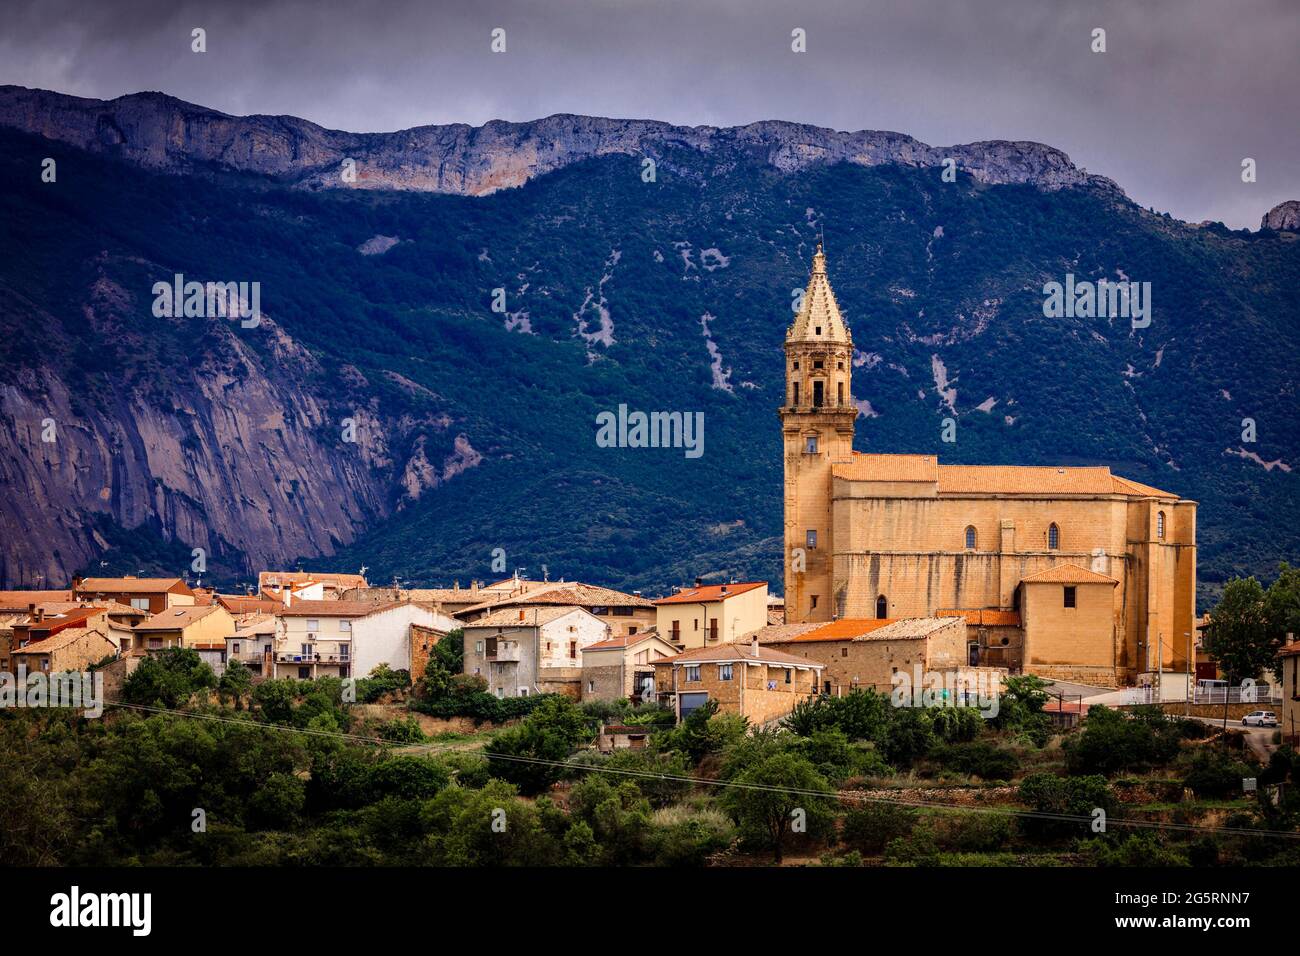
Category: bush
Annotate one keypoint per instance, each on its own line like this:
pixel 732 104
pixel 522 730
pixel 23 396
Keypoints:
pixel 680 836
pixel 1213 773
pixel 382 680
pixel 765 805
pixel 1070 796
pixel 532 755
pixel 976 759
pixel 977 831
pixel 870 827
pixel 1111 742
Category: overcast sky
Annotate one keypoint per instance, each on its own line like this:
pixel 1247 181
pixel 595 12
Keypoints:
pixel 1185 90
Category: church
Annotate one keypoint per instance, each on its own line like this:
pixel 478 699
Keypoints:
pixel 1070 573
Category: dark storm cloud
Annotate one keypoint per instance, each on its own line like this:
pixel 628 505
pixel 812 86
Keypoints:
pixel 1186 89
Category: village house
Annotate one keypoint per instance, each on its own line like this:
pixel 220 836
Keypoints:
pixel 72 648
pixel 243 605
pixel 626 614
pixel 336 638
pixel 1289 718
pixel 994 638
pixel 454 600
pixel 191 627
pixel 253 641
pixel 154 595
pixel 281 586
pixel 862 653
pixel 623 667
pixel 711 614
pixel 522 651
pixel 759 683
pixel 114 621
pixel 617 737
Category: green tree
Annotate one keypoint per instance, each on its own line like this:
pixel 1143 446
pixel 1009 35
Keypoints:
pixel 1240 639
pixel 781 795
pixel 168 678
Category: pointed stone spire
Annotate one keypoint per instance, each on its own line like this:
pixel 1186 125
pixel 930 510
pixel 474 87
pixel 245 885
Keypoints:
pixel 820 319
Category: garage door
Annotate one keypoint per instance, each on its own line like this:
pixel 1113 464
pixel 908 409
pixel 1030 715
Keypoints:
pixel 690 702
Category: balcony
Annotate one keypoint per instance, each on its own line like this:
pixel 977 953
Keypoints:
pixel 505 653
pixel 289 657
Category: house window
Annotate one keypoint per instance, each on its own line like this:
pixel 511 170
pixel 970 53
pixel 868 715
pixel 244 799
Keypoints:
pixel 573 648
pixel 523 692
pixel 631 630
pixel 817 330
pixel 345 627
pixel 304 673
pixel 343 652
pixel 313 624
pixel 1160 524
pixel 693 672
pixel 478 647
pixel 724 672
pixel 140 604
pixel 591 687
pixel 1053 537
pixel 810 445
pixel 818 363
pixel 795 393
pixel 811 538
pixel 45 663
pixel 844 652
pixel 234 648
pixel 713 629
pixel 812 602
pixel 1069 596
pixel 306 650
pixel 882 608
pixel 155 643
pixel 819 394
pixel 787 675
pixel 970 537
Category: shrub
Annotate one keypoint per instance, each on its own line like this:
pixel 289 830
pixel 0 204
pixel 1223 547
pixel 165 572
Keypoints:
pixel 872 826
pixel 979 831
pixel 168 678
pixel 1213 773
pixel 1071 796
pixel 1110 742
pixel 681 836
pixel 977 759
pixel 765 806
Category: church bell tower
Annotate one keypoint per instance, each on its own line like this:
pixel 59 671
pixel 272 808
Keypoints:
pixel 817 418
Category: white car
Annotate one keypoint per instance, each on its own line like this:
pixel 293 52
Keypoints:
pixel 1259 718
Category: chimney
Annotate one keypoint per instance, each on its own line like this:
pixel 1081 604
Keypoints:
pixel 288 594
pixel 724 590
pixel 753 645
pixel 31 609
pixel 521 614
pixel 76 583
pixel 40 614
pixel 699 582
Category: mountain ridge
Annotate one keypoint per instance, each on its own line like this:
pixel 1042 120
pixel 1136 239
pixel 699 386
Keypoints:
pixel 461 159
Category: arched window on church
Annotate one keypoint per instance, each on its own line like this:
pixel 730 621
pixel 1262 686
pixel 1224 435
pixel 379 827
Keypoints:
pixel 970 537
pixel 1160 524
pixel 1053 537
pixel 882 608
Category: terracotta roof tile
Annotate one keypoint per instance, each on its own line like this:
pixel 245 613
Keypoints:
pixel 1068 574
pixel 130 585
pixel 531 616
pixel 737 652
pixel 711 592
pixel 987 617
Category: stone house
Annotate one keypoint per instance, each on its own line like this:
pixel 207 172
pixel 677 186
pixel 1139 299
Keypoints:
pixel 760 683
pixel 857 654
pixel 1289 716
pixel 623 667
pixel 711 614
pixel 626 614
pixel 532 650
pixel 73 648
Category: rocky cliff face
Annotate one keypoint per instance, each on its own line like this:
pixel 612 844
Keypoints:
pixel 161 132
pixel 1283 216
pixel 234 450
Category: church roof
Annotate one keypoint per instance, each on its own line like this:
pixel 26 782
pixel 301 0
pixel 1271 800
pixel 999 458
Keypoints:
pixel 1068 574
pixel 820 319
pixel 993 479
